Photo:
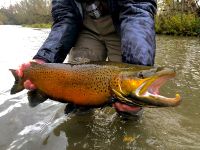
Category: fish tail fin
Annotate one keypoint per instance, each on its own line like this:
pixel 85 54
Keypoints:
pixel 35 97
pixel 18 85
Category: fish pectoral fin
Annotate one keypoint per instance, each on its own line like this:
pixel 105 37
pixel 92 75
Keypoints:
pixel 70 108
pixel 35 97
pixel 125 100
pixel 73 108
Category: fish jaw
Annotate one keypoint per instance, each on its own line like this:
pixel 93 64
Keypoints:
pixel 148 92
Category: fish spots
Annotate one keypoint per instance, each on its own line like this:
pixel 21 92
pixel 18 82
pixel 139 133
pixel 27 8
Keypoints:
pixel 115 83
pixel 80 84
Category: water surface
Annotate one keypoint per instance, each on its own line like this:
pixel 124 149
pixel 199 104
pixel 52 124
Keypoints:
pixel 46 127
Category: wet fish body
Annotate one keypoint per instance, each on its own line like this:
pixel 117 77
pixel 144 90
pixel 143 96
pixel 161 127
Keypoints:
pixel 95 83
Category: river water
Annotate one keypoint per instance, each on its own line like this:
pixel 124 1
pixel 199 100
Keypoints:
pixel 46 127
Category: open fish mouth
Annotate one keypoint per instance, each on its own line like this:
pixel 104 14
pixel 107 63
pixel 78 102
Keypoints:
pixel 147 94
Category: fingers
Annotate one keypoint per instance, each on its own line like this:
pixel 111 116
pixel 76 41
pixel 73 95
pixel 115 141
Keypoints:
pixel 29 85
pixel 39 61
pixel 22 67
pixel 126 108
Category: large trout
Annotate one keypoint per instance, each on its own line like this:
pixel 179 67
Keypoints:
pixel 96 83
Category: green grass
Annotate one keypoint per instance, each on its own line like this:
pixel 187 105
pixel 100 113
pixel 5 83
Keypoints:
pixel 38 25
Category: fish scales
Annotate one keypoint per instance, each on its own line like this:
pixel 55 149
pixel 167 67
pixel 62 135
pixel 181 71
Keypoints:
pixel 83 85
pixel 95 83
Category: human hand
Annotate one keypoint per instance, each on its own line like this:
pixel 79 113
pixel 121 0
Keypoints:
pixel 120 107
pixel 28 84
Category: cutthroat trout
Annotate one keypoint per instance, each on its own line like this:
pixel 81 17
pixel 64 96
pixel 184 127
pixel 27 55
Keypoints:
pixel 95 83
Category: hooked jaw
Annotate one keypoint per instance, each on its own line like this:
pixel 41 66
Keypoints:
pixel 148 92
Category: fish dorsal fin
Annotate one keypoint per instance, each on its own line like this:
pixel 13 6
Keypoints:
pixel 79 60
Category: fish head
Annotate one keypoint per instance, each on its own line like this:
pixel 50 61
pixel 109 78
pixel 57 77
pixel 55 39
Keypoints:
pixel 141 88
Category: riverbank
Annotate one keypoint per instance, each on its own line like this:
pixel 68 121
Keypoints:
pixel 178 24
pixel 169 24
pixel 43 25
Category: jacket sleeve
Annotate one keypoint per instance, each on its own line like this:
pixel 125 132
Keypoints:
pixel 138 31
pixel 66 25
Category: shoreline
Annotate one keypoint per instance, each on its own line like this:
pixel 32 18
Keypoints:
pixel 49 25
pixel 42 26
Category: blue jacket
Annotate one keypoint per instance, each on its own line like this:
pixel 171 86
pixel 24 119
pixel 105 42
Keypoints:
pixel 133 19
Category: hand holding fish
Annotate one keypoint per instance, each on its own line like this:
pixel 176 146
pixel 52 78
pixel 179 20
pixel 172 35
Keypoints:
pixel 28 84
pixel 95 84
pixel 126 108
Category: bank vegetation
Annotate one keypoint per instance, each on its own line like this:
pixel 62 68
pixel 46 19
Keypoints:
pixel 178 17
pixel 174 17
pixel 27 12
